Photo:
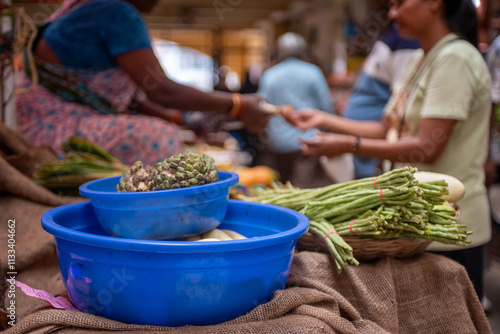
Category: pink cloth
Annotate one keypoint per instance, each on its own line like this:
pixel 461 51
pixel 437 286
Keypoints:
pixel 44 118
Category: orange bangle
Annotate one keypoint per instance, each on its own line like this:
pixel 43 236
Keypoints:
pixel 238 105
pixel 176 117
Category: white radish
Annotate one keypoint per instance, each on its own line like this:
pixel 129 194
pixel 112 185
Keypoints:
pixel 234 235
pixel 207 239
pixel 217 234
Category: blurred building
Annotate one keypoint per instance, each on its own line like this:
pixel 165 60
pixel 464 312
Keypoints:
pixel 241 34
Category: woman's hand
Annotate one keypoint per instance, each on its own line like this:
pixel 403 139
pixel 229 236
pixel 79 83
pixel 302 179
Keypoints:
pixel 306 119
pixel 253 115
pixel 328 144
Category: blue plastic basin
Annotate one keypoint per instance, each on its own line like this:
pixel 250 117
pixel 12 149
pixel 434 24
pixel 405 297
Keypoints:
pixel 162 214
pixel 175 283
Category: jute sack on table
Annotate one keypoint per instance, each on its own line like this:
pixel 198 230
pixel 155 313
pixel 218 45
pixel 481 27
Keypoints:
pixel 426 294
pixel 18 160
pixel 35 259
pixel 22 203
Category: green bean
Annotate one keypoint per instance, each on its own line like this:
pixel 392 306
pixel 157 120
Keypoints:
pixel 392 205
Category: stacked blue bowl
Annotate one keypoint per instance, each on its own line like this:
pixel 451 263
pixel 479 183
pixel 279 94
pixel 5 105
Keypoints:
pixel 174 283
pixel 160 214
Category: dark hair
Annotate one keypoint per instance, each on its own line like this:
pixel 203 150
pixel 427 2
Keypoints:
pixel 462 19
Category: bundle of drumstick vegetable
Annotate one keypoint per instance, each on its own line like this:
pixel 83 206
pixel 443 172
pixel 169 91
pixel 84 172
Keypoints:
pixel 401 203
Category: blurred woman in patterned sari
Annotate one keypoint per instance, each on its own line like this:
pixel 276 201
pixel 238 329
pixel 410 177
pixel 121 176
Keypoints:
pixel 91 72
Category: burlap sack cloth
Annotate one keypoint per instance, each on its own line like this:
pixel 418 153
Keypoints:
pixel 422 294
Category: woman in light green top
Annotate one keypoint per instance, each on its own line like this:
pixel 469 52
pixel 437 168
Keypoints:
pixel 438 121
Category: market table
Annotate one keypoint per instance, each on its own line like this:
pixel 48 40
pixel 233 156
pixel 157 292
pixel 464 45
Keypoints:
pixel 426 293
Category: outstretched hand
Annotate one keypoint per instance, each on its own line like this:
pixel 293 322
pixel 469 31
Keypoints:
pixel 328 144
pixel 254 116
pixel 257 115
pixel 306 119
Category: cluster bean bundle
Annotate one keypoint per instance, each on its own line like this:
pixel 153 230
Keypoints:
pixel 392 205
pixel 85 161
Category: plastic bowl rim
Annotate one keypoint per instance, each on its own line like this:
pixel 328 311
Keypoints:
pixel 94 194
pixel 163 246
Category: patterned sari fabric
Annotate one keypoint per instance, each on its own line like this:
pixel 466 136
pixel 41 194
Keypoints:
pixel 45 118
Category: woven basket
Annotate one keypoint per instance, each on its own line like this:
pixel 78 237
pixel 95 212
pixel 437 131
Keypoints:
pixel 367 249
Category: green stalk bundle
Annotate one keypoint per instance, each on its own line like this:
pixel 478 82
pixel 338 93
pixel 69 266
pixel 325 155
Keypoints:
pixel 84 161
pixel 392 205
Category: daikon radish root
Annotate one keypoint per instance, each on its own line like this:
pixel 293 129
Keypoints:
pixel 217 234
pixel 234 235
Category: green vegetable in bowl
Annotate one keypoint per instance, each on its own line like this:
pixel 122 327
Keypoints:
pixel 179 171
pixel 233 235
pixel 216 235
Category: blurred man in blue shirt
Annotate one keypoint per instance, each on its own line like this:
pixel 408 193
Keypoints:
pixel 300 84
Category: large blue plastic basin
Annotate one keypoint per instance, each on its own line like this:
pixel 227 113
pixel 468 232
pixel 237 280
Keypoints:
pixel 174 283
pixel 162 214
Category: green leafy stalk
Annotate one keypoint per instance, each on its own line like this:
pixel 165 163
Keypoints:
pixel 393 205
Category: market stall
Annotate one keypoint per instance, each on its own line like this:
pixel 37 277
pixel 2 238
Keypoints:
pixel 420 293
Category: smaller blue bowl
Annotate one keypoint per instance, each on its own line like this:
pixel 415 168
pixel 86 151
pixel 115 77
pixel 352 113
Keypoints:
pixel 161 214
